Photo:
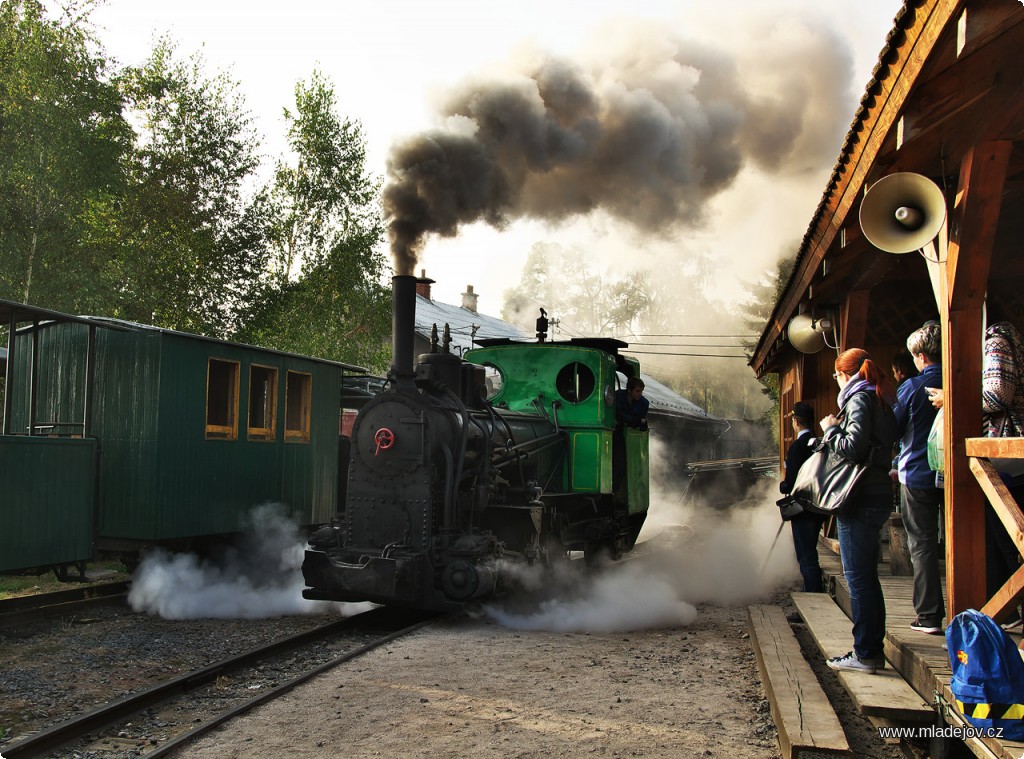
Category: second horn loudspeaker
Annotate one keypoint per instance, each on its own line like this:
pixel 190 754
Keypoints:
pixel 805 334
pixel 902 212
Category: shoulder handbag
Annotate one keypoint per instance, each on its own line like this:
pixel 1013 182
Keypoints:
pixel 826 480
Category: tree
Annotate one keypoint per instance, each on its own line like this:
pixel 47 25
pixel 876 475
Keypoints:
pixel 62 135
pixel 757 310
pixel 323 231
pixel 563 282
pixel 183 250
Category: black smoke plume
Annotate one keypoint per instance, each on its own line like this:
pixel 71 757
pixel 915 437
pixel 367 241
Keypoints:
pixel 647 136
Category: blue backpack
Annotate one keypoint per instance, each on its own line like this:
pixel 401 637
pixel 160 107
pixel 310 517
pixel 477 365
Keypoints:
pixel 988 674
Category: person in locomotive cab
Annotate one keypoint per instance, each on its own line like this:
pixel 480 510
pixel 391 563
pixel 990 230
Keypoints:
pixel 630 411
pixel 631 406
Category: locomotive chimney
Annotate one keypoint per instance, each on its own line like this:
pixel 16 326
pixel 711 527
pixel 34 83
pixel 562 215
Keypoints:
pixel 403 329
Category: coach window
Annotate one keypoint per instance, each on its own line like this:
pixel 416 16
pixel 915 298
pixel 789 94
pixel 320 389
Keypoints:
pixel 298 396
pixel 575 382
pixel 222 399
pixel 262 402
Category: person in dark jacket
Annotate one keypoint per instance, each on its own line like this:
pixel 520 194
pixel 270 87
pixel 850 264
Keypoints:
pixel 863 432
pixel 921 501
pixel 630 405
pixel 806 525
pixel 903 367
pixel 630 411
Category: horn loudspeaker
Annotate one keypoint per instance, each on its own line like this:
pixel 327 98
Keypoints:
pixel 902 212
pixel 805 334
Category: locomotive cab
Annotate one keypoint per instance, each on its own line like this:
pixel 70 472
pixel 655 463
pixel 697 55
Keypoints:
pixel 573 384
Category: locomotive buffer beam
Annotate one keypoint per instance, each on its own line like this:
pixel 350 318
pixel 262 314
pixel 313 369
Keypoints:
pixel 379 579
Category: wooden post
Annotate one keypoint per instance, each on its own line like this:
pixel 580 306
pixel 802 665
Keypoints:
pixel 973 224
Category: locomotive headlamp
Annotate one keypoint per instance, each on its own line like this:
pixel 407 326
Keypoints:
pixel 609 395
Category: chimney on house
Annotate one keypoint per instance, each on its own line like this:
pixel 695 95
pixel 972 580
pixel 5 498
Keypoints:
pixel 423 284
pixel 469 299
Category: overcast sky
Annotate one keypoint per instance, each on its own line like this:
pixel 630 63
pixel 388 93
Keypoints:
pixel 393 63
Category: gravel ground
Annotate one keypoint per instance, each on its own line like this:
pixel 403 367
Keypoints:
pixel 52 671
pixel 470 687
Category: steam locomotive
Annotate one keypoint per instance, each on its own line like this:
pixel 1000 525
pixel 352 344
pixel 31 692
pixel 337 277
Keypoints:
pixel 461 466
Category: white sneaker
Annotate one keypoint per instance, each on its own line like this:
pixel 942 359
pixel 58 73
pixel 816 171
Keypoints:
pixel 851 662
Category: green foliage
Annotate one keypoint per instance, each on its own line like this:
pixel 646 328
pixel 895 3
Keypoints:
pixel 134 193
pixel 322 232
pixel 179 241
pixel 62 137
pixel 757 310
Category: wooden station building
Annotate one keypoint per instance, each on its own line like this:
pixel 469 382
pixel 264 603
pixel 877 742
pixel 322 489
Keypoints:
pixel 946 102
pixel 939 130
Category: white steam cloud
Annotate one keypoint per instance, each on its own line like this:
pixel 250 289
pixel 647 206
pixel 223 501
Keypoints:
pixel 689 554
pixel 259 578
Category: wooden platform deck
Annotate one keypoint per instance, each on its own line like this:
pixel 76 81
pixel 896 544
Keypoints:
pixel 919 658
pixel 807 724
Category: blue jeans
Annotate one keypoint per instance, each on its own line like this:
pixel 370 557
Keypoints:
pixel 806 527
pixel 859 543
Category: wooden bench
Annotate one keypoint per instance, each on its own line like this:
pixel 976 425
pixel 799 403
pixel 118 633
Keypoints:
pixel 805 719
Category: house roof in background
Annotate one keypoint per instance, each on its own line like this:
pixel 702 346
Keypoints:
pixel 461 322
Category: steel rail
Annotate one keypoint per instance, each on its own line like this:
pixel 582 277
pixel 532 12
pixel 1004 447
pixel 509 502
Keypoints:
pixel 179 741
pixel 111 713
pixel 14 611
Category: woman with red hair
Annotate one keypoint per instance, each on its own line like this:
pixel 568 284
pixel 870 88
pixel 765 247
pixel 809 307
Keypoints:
pixel 863 432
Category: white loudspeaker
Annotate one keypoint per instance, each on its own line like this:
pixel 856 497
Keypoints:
pixel 807 334
pixel 902 212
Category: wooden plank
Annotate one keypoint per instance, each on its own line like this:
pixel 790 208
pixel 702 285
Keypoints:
pixel 995 447
pixel 883 694
pixel 1002 502
pixel 806 722
pixel 880 722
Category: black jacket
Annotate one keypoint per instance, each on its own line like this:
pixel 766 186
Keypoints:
pixel 799 451
pixel 867 427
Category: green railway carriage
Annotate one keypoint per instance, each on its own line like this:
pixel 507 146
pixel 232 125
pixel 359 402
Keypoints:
pixel 118 435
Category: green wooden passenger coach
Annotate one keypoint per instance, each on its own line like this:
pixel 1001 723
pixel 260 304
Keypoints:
pixel 135 435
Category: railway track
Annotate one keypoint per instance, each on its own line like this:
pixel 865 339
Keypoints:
pixel 61 603
pixel 109 726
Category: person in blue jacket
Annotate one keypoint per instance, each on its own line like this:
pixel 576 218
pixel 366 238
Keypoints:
pixel 921 501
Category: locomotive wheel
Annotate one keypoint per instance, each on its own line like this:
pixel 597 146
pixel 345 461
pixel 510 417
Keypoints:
pixel 596 552
pixel 555 554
